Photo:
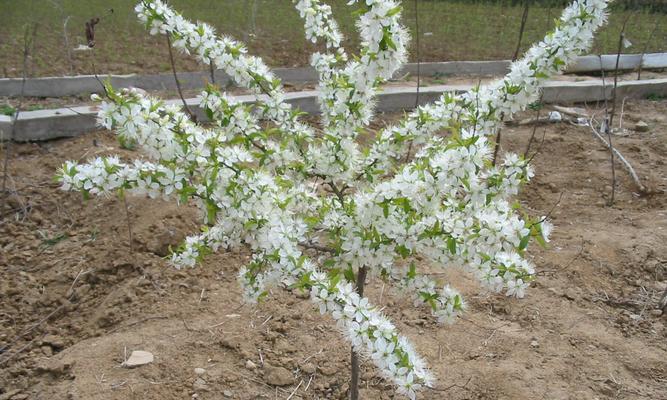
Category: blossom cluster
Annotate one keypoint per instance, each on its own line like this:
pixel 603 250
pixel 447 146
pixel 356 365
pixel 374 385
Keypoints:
pixel 314 206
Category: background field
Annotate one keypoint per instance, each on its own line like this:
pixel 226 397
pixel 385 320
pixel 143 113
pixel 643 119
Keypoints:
pixel 449 30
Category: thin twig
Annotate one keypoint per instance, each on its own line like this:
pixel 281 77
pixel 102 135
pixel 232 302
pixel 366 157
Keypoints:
pixel 27 42
pixel 178 82
pixel 211 67
pixel 621 158
pixel 497 145
pixel 40 322
pixel 137 322
pixel 610 119
pixel 311 379
pixel 32 328
pixel 17 352
pixel 129 222
pixel 620 119
pixel 524 19
pixel 456 385
pixel 539 148
pixel 650 37
pixel 417 53
pixel 532 135
pixel 314 246
pixel 295 389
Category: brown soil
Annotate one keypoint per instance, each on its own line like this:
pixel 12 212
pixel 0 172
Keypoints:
pixel 75 300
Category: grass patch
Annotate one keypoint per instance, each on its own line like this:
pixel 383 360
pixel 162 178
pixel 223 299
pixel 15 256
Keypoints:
pixel 450 30
pixel 50 241
pixel 7 110
pixel 655 97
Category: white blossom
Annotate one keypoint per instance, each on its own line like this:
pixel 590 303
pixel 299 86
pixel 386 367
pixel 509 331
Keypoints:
pixel 316 209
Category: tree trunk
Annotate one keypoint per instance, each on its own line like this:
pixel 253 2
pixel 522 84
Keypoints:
pixel 354 358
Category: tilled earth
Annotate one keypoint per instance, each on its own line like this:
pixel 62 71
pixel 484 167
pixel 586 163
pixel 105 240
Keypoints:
pixel 76 297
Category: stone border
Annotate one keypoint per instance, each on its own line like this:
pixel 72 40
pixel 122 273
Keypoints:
pixel 68 122
pixel 86 84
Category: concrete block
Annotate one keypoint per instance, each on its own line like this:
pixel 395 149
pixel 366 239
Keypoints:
pixel 593 90
pixel 655 61
pixel 86 84
pixel 51 124
pixel 65 122
pixel 5 127
pixel 627 62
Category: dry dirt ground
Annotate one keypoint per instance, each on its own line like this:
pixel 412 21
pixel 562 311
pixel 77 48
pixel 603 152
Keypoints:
pixel 76 299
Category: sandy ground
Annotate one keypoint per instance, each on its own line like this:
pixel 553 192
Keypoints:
pixel 76 299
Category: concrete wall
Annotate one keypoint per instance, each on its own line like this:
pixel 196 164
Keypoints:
pixel 85 84
pixel 66 122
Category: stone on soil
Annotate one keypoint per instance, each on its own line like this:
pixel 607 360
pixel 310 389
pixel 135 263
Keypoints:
pixel 278 376
pixel 138 358
pixel 641 126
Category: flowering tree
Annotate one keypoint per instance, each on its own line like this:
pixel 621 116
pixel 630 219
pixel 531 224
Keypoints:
pixel 317 209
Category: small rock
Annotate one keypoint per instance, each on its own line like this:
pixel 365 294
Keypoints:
pixel 534 343
pixel 200 385
pixel 656 313
pixel 37 217
pixel 570 294
pixel 308 368
pixel 641 126
pixel 200 371
pixel 250 365
pixel 47 350
pixel 10 394
pixel 55 368
pixel 555 116
pixel 278 376
pixel 283 346
pixel 327 370
pixel 227 393
pixel 56 342
pixel 14 201
pixel 138 358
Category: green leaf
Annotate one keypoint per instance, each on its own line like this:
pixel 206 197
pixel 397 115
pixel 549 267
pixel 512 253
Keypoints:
pixel 412 272
pixel 403 251
pixel 451 245
pixel 349 274
pixel 394 11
